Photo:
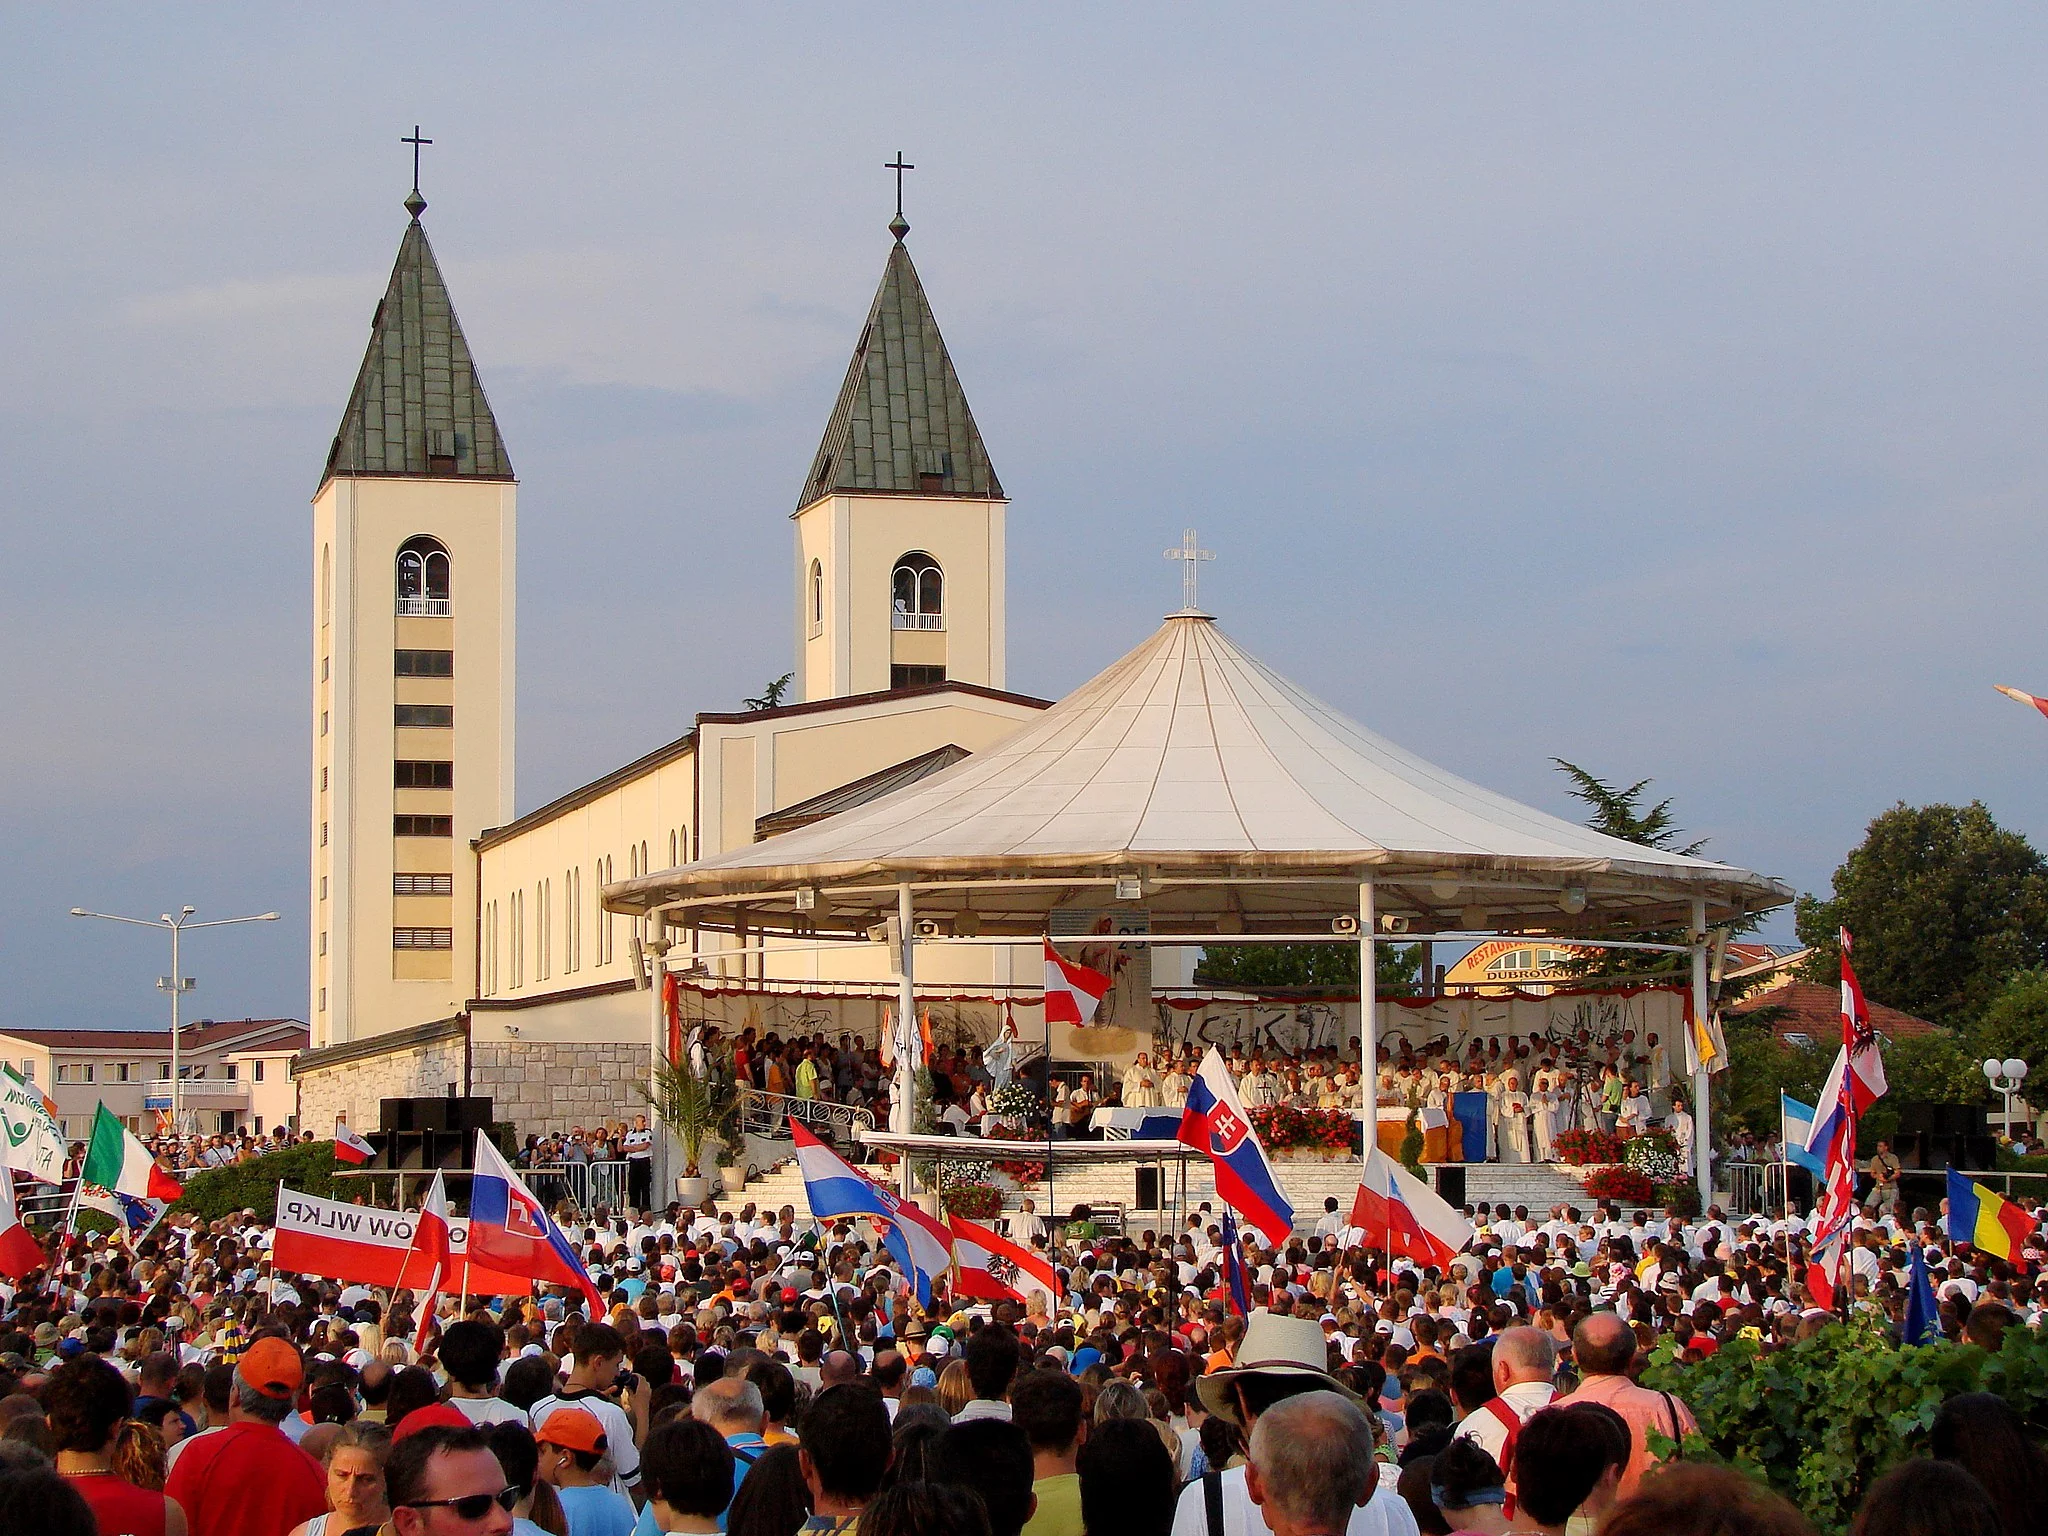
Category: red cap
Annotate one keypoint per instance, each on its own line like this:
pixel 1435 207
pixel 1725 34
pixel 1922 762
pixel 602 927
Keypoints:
pixel 427 1418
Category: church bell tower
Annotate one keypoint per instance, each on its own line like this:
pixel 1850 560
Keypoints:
pixel 413 608
pixel 900 524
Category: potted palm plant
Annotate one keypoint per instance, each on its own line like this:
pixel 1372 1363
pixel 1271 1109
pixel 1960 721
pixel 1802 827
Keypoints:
pixel 692 1108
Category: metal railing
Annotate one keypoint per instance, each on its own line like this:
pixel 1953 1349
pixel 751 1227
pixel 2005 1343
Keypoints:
pixel 423 608
pixel 898 619
pixel 767 1115
pixel 589 1185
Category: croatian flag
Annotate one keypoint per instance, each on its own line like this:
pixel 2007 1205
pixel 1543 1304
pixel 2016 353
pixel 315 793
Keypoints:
pixel 510 1230
pixel 1215 1122
pixel 1413 1219
pixel 1072 991
pixel 430 1241
pixel 1858 1071
pixel 349 1147
pixel 834 1188
pixel 996 1269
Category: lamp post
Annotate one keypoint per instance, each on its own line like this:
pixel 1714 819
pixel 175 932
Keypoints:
pixel 177 983
pixel 2005 1078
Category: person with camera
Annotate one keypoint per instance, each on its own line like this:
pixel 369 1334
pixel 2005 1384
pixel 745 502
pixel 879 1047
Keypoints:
pixel 616 1397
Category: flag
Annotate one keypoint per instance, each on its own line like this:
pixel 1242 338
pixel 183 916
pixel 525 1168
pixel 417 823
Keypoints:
pixel 1984 1220
pixel 1795 1122
pixel 30 1137
pixel 510 1231
pixel 924 1038
pixel 117 1162
pixel 366 1245
pixel 992 1267
pixel 887 1043
pixel 134 1213
pixel 1923 1317
pixel 1237 1291
pixel 349 1147
pixel 1072 990
pixel 430 1242
pixel 1215 1122
pixel 833 1188
pixel 1706 1047
pixel 1856 1080
pixel 1416 1221
pixel 20 1253
pixel 2023 698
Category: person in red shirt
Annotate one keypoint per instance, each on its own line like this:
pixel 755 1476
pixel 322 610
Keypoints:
pixel 248 1479
pixel 86 1400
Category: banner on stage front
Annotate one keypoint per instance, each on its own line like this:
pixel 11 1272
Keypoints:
pixel 368 1246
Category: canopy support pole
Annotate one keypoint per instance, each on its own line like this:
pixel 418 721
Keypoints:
pixel 1368 1030
pixel 902 1105
pixel 659 1169
pixel 1702 1079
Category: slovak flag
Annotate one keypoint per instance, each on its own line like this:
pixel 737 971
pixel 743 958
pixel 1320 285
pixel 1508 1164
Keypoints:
pixel 996 1269
pixel 1237 1290
pixel 1072 991
pixel 430 1242
pixel 1215 1122
pixel 349 1147
pixel 511 1231
pixel 1394 1206
pixel 1858 1068
pixel 834 1188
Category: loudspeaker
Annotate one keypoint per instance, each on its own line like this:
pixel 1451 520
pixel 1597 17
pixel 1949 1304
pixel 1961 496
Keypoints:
pixel 1450 1182
pixel 1145 1197
pixel 428 1112
pixel 394 1114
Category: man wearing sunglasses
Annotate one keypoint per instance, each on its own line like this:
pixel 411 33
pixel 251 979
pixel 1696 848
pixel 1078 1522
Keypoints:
pixel 444 1481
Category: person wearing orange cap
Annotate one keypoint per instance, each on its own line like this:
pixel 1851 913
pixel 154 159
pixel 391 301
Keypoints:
pixel 248 1479
pixel 572 1443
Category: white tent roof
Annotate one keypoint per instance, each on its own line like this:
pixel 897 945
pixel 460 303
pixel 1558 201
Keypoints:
pixel 1233 792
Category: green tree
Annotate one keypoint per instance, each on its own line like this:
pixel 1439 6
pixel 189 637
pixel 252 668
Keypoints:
pixel 1760 1066
pixel 1944 904
pixel 1332 966
pixel 772 696
pixel 1936 1068
pixel 2016 1023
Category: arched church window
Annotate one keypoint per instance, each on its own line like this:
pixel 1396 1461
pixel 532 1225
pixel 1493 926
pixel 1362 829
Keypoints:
pixel 917 593
pixel 817 598
pixel 423 577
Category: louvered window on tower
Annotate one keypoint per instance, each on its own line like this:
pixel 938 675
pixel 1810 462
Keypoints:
pixel 422 826
pixel 422 885
pixel 422 775
pixel 423 938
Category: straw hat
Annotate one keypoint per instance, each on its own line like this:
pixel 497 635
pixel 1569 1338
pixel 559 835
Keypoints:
pixel 1273 1346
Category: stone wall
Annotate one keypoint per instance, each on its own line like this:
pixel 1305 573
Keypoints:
pixel 350 1079
pixel 543 1086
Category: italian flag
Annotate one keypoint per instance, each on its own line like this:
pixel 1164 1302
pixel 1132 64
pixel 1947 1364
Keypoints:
pixel 116 1161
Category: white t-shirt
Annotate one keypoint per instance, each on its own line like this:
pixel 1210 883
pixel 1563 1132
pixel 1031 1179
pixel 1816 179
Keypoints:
pixel 618 1428
pixel 1382 1515
pixel 488 1410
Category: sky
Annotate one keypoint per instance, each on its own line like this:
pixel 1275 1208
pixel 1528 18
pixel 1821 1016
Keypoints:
pixel 1658 389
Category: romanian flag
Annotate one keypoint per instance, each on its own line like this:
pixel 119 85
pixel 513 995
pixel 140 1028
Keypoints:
pixel 1984 1220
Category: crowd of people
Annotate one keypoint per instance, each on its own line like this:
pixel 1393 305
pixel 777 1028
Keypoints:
pixel 762 1373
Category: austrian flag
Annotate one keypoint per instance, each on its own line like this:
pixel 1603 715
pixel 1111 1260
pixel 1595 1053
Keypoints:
pixel 1072 991
pixel 996 1269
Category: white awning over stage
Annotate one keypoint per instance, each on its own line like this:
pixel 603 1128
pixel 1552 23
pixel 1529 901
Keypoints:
pixel 1242 803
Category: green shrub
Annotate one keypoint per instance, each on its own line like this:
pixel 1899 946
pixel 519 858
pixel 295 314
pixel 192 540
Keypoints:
pixel 307 1167
pixel 1820 1419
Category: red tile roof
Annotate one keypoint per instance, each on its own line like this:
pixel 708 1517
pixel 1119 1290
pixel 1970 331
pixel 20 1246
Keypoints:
pixel 1815 1011
pixel 210 1035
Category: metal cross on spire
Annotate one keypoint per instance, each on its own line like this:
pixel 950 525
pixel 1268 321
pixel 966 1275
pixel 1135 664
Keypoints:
pixel 1191 555
pixel 414 203
pixel 898 226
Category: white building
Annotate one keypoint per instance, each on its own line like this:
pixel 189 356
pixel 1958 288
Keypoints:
pixel 237 1073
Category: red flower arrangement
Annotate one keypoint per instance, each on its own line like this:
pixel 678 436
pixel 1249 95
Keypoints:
pixel 977 1202
pixel 1588 1146
pixel 1023 1172
pixel 1623 1186
pixel 1281 1126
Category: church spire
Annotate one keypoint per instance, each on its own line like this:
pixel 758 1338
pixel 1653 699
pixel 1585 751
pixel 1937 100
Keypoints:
pixel 418 407
pixel 901 424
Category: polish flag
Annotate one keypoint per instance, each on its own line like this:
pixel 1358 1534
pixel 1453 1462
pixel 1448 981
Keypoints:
pixel 431 1242
pixel 1395 1207
pixel 996 1269
pixel 1072 990
pixel 20 1253
pixel 2023 698
pixel 349 1147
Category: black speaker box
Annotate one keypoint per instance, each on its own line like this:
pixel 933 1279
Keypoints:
pixel 1145 1197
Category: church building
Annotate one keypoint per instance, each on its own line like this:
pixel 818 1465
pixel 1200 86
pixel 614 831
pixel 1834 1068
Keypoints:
pixel 459 945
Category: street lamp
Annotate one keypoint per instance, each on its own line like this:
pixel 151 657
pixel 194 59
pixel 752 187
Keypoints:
pixel 177 983
pixel 2005 1078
